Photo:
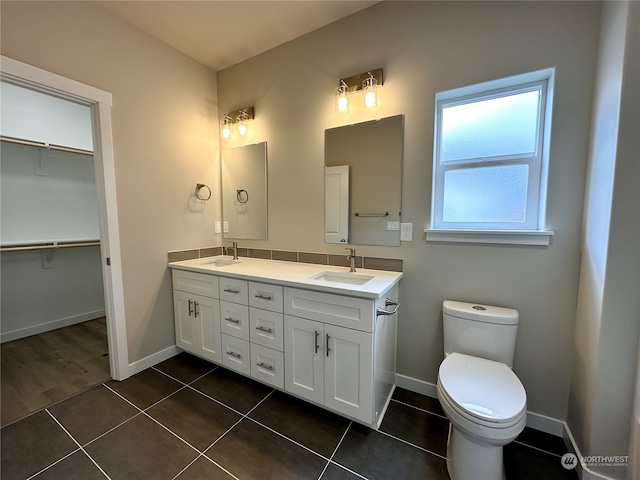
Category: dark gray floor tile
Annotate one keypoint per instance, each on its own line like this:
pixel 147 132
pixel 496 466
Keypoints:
pixel 380 457
pixel 32 444
pixel 424 402
pixel 312 426
pixel 543 441
pixel 204 468
pixel 251 452
pixel 415 426
pixel 525 463
pixel 76 466
pixel 92 413
pixel 232 389
pixel 141 449
pixel 336 472
pixel 145 388
pixel 194 417
pixel 185 367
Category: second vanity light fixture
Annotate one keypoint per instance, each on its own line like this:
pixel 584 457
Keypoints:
pixel 366 82
pixel 238 120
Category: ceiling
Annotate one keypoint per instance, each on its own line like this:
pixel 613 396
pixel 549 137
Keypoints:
pixel 219 33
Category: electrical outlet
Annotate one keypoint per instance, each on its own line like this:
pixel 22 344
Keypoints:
pixel 216 227
pixel 406 232
pixel 393 226
pixel 226 227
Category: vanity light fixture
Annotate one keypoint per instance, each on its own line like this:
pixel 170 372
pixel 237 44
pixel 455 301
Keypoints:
pixel 367 82
pixel 239 119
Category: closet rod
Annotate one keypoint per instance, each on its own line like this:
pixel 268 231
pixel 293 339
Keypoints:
pixel 29 143
pixel 49 246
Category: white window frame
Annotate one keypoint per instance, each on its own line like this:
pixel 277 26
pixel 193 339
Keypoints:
pixel 530 232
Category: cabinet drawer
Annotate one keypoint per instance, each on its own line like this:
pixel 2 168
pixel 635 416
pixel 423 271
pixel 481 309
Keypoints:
pixel 236 354
pixel 234 319
pixel 198 283
pixel 266 328
pixel 233 290
pixel 265 296
pixel 267 365
pixel 343 311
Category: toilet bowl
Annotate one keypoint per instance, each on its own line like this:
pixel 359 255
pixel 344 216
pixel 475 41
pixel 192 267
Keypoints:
pixel 486 405
pixel 483 399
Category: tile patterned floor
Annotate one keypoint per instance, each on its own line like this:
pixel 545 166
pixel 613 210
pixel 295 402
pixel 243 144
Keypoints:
pixel 188 419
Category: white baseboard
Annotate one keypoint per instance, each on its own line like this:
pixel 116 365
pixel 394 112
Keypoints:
pixel 534 420
pixel 48 326
pixel 147 362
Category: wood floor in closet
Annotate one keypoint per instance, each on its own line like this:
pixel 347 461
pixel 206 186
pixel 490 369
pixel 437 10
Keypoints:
pixel 44 369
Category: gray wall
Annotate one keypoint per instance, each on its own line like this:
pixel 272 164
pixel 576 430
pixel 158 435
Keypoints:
pixel 164 120
pixel 608 317
pixel 426 47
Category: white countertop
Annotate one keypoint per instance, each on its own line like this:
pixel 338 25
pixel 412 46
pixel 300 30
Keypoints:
pixel 298 275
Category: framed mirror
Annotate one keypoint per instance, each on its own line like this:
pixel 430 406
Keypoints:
pixel 363 182
pixel 244 192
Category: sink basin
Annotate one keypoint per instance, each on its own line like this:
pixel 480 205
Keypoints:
pixel 219 262
pixel 343 277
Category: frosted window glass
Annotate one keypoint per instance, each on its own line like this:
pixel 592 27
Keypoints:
pixel 492 127
pixel 486 194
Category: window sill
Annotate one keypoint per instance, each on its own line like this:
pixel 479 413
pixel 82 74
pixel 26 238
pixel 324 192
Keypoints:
pixel 502 237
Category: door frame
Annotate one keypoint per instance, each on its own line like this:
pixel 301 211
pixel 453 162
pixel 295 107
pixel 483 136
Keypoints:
pixel 28 76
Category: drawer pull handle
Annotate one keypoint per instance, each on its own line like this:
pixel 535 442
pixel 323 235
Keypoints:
pixel 190 308
pixel 264 329
pixel 260 296
pixel 195 309
pixel 317 346
pixel 234 354
pixel 235 291
pixel 265 366
pixel 328 349
pixel 232 320
pixel 388 303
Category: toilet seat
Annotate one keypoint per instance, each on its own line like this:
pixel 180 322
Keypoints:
pixel 482 391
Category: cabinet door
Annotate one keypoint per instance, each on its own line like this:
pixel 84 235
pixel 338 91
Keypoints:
pixel 304 358
pixel 348 372
pixel 207 315
pixel 185 322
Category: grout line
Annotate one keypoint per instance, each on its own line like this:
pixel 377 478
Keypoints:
pixel 346 430
pixel 80 448
pixel 520 442
pixel 412 444
pixel 419 408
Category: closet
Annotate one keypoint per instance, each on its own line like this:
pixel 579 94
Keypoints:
pixel 50 263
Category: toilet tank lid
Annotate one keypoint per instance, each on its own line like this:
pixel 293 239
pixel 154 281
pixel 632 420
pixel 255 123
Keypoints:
pixel 480 312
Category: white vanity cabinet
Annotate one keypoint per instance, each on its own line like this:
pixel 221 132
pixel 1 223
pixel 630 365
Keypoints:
pixel 335 347
pixel 197 314
pixel 346 369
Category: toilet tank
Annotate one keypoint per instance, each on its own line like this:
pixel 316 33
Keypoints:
pixel 480 330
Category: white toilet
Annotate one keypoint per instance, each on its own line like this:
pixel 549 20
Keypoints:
pixel 483 399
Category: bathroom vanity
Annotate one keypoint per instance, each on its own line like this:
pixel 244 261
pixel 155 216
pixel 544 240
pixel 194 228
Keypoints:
pixel 319 332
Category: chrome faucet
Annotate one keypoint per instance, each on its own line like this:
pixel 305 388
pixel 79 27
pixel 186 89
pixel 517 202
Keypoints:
pixel 352 259
pixel 234 245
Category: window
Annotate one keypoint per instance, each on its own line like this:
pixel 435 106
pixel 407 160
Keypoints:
pixel 490 155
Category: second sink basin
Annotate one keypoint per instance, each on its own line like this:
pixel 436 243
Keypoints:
pixel 343 277
pixel 219 262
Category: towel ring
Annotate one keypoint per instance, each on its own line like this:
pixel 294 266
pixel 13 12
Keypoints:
pixel 200 186
pixel 242 198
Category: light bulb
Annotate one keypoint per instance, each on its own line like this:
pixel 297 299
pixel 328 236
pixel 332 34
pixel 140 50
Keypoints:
pixel 226 128
pixel 370 99
pixel 242 128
